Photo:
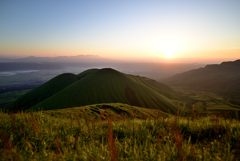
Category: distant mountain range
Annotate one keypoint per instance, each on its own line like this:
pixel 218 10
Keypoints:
pixel 99 86
pixel 152 70
pixel 61 59
pixel 53 63
pixel 223 79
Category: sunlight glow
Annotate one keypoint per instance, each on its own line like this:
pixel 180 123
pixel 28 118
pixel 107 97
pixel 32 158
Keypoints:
pixel 169 55
pixel 170 50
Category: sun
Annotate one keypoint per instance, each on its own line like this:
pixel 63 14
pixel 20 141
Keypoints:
pixel 169 55
pixel 170 51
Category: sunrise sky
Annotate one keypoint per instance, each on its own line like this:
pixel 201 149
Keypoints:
pixel 161 29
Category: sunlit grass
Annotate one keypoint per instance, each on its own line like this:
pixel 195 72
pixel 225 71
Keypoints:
pixel 43 136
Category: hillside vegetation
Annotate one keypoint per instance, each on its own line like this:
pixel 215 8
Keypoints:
pixel 118 132
pixel 99 86
pixel 223 79
pixel 44 91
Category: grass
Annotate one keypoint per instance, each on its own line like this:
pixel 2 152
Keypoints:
pixel 203 101
pixel 117 133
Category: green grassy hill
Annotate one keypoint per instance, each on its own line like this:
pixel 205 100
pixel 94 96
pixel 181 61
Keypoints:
pixel 96 86
pixel 44 91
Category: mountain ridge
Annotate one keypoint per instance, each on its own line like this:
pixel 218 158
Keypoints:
pixel 61 59
pixel 221 78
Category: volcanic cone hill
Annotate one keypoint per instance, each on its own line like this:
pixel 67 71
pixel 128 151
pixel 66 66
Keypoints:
pixel 96 86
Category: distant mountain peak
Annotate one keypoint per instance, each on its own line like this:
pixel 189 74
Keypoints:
pixel 89 55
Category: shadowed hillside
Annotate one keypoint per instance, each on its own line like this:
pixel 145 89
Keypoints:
pixel 99 86
pixel 222 79
pixel 44 91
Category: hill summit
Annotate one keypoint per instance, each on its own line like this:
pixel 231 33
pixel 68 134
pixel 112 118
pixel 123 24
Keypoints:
pixel 96 86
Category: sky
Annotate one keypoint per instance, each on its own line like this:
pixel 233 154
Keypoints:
pixel 121 29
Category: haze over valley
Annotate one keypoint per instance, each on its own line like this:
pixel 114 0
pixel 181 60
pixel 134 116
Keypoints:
pixel 29 72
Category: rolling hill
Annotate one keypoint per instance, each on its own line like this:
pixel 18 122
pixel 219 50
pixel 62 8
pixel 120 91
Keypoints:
pixel 96 86
pixel 223 79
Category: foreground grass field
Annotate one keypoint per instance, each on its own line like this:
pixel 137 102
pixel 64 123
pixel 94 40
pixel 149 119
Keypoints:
pixel 117 132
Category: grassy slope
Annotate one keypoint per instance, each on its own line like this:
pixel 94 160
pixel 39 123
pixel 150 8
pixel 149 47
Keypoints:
pixel 44 91
pixel 48 89
pixel 202 101
pixel 222 79
pixel 157 86
pixel 105 110
pixel 69 134
pixel 108 86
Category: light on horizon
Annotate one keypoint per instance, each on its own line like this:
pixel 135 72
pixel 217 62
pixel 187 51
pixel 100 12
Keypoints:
pixel 170 49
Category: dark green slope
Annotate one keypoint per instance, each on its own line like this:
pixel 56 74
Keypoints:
pixel 86 72
pixel 48 89
pixel 110 86
pixel 222 79
pixel 44 91
pixel 157 86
